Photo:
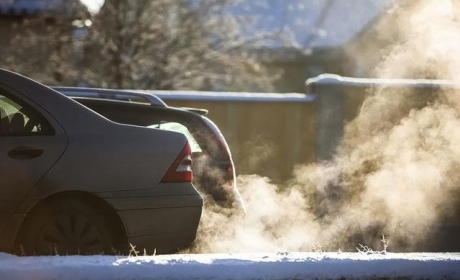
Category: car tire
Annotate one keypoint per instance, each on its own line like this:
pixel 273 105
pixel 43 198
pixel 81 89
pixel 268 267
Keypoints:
pixel 66 227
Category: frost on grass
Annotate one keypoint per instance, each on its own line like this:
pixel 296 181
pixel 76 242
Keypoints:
pixel 367 250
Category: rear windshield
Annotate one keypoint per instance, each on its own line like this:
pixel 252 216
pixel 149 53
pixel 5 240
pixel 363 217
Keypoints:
pixel 177 127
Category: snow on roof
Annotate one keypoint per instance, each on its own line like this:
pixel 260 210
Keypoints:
pixel 236 266
pixel 332 79
pixel 313 23
pixel 31 7
pixel 25 7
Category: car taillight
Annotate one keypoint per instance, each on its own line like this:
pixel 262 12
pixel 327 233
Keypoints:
pixel 181 170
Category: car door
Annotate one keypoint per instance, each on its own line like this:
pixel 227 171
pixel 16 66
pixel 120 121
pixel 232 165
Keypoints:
pixel 31 141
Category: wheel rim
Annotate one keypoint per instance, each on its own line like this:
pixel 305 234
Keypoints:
pixel 71 235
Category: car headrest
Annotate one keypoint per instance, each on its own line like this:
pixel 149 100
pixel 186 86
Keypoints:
pixel 17 123
pixel 5 126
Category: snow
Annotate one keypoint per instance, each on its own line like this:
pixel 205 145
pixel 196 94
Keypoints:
pixel 235 266
pixel 333 79
pixel 302 18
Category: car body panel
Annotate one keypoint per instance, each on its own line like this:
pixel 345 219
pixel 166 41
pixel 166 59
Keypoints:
pixel 20 173
pixel 170 213
pixel 180 227
pixel 11 229
pixel 84 153
pixel 4 221
pixel 91 154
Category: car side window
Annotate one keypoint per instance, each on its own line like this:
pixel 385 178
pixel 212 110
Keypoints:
pixel 177 127
pixel 19 119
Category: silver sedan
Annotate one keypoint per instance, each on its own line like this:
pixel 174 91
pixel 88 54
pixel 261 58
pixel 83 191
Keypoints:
pixel 74 182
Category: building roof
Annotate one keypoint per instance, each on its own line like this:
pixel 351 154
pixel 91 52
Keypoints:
pixel 32 7
pixel 313 23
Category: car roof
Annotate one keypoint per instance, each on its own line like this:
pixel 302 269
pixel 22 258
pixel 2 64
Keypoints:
pixel 120 95
pixel 194 112
pixel 115 94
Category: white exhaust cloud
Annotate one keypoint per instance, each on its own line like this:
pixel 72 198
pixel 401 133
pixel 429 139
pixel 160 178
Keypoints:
pixel 396 171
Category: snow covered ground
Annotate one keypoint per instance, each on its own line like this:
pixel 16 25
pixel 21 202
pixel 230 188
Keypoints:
pixel 236 266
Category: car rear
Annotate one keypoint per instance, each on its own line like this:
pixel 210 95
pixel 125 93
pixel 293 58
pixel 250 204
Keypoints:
pixel 137 180
pixel 143 174
pixel 224 175
pixel 213 168
pixel 164 218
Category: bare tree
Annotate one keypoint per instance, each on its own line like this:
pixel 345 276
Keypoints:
pixel 172 44
pixel 143 44
pixel 45 45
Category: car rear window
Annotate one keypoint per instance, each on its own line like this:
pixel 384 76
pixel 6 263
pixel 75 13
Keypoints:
pixel 177 127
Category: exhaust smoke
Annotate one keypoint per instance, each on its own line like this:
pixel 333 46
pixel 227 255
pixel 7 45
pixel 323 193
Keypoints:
pixel 396 171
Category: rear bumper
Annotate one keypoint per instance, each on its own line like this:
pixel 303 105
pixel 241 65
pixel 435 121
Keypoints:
pixel 162 230
pixel 156 221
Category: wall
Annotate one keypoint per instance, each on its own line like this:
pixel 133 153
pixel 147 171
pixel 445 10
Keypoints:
pixel 338 101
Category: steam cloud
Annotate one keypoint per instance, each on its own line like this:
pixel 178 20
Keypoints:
pixel 396 172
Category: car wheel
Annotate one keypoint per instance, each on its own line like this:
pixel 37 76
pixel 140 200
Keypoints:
pixel 66 227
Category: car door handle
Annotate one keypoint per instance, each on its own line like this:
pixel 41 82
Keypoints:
pixel 25 153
